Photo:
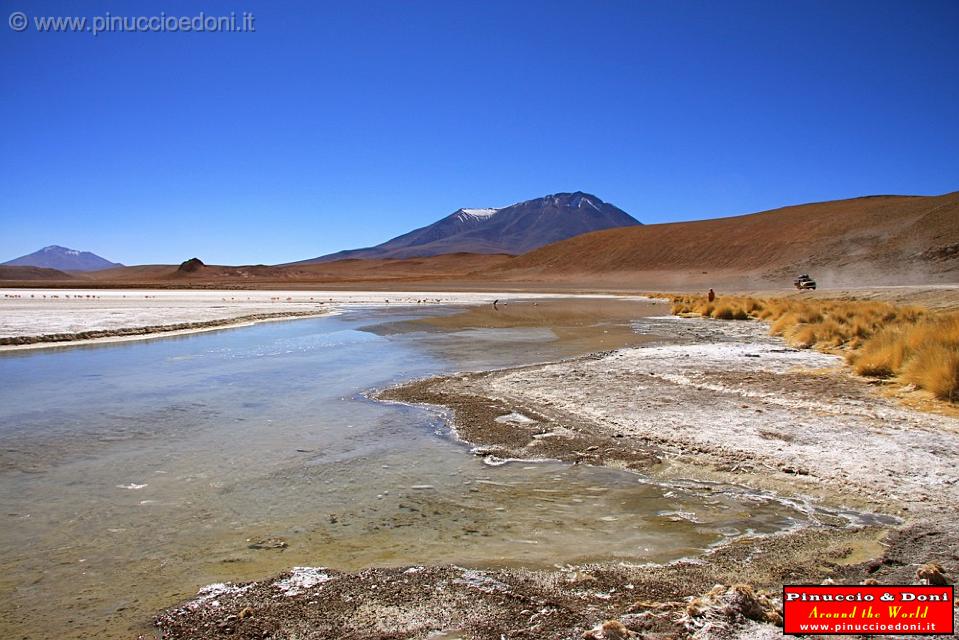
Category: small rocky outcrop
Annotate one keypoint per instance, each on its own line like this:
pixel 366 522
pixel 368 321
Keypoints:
pixel 190 266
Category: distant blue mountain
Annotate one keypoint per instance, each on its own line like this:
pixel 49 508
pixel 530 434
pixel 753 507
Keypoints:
pixel 63 259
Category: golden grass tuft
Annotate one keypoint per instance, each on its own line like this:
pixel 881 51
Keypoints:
pixel 881 356
pixel 801 335
pixel 933 360
pixel 879 339
pixel 936 369
pixel 728 312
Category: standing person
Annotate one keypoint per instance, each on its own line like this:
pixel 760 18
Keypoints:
pixel 711 295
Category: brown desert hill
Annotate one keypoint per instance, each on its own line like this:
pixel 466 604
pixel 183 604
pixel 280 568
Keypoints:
pixel 870 240
pixel 340 273
pixel 16 273
pixel 444 266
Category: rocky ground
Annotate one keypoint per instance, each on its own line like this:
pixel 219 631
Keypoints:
pixel 716 401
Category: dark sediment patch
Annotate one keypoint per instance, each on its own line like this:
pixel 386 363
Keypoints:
pixel 580 326
pixel 484 421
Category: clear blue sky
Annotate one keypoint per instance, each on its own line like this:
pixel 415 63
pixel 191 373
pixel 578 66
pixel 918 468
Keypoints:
pixel 340 125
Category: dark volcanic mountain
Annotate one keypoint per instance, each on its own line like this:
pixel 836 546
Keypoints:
pixel 515 229
pixel 63 259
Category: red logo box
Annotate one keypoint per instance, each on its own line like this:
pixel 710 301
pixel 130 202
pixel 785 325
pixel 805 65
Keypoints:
pixel 901 610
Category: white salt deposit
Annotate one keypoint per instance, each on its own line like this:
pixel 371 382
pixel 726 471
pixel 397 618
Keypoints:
pixel 746 399
pixel 515 417
pixel 301 579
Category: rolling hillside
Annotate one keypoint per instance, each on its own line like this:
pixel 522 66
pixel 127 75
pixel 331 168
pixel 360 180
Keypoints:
pixel 333 274
pixel 869 240
pixel 14 274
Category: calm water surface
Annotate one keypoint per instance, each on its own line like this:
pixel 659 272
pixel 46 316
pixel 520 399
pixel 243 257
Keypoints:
pixel 132 474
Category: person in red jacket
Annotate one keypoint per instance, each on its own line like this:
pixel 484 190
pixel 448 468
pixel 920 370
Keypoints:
pixel 711 295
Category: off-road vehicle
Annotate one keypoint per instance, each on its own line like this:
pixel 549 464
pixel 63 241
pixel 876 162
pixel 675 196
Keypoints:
pixel 804 282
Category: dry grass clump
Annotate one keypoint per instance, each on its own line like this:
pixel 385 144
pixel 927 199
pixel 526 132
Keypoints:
pixel 725 608
pixel 933 574
pixel 935 369
pixel 882 356
pixel 729 312
pixel 924 353
pixel 879 339
pixel 733 309
pixel 610 630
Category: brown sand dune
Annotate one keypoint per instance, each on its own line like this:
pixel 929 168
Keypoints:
pixel 870 240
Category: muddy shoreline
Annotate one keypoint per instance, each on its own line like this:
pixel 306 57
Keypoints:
pixel 484 423
pixel 456 602
pixel 556 411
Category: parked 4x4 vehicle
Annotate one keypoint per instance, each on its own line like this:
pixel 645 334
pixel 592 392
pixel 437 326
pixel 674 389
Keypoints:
pixel 804 282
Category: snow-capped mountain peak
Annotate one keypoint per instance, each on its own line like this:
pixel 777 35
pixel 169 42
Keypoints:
pixel 515 229
pixel 472 215
pixel 55 248
pixel 582 200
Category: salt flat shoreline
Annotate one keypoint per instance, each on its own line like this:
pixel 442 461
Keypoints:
pixel 128 334
pixel 723 401
pixel 38 318
pixel 717 402
pixel 45 318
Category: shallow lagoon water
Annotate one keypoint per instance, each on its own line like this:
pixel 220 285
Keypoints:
pixel 132 474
